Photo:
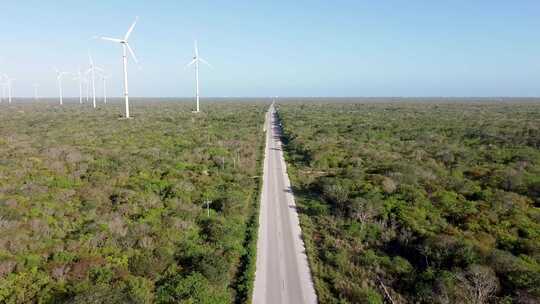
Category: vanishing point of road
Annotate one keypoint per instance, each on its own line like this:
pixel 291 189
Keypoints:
pixel 282 275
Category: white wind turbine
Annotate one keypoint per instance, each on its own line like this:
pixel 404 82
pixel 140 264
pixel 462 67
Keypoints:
pixel 9 85
pixel 196 60
pixel 3 84
pixel 36 86
pixel 104 78
pixel 92 70
pixel 125 49
pixel 81 79
pixel 87 85
pixel 59 76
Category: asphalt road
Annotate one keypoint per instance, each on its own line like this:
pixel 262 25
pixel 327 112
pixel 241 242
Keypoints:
pixel 282 274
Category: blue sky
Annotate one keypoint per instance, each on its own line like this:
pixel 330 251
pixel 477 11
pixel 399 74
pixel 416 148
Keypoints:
pixel 285 48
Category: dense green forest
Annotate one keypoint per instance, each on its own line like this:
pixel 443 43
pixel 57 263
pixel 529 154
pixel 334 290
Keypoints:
pixel 418 202
pixel 97 209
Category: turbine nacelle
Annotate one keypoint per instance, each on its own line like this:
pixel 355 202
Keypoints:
pixel 60 74
pixel 124 41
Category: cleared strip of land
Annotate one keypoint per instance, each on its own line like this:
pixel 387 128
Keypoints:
pixel 283 274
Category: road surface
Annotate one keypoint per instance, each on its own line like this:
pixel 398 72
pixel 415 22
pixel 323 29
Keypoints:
pixel 282 274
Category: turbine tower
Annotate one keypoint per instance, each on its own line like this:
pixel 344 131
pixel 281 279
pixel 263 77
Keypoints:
pixel 104 78
pixel 59 77
pixel 36 86
pixel 4 87
pixel 125 49
pixel 87 86
pixel 92 70
pixel 9 85
pixel 196 60
pixel 80 78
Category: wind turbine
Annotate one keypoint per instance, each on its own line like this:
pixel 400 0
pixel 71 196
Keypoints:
pixel 36 86
pixel 196 60
pixel 80 78
pixel 92 70
pixel 87 86
pixel 9 84
pixel 59 76
pixel 104 78
pixel 3 84
pixel 125 49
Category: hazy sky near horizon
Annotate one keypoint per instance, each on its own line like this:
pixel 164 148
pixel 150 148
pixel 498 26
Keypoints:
pixel 284 48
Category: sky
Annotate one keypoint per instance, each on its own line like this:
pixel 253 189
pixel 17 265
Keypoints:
pixel 299 48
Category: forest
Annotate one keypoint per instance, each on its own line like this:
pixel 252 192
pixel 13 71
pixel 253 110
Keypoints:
pixel 156 209
pixel 418 202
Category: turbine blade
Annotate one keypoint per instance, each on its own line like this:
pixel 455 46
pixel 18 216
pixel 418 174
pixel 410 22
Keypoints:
pixel 191 63
pixel 111 39
pixel 131 29
pixel 206 62
pixel 132 54
pixel 196 49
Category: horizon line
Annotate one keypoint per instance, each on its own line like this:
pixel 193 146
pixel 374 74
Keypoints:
pixel 287 97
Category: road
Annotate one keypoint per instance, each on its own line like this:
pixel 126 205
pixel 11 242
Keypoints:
pixel 282 274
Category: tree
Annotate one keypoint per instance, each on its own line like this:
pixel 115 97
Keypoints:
pixel 338 194
pixel 364 210
pixel 480 284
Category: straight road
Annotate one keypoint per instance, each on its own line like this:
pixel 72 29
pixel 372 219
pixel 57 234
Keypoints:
pixel 282 274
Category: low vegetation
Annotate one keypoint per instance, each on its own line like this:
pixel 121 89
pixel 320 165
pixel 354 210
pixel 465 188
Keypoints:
pixel 418 202
pixel 157 209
